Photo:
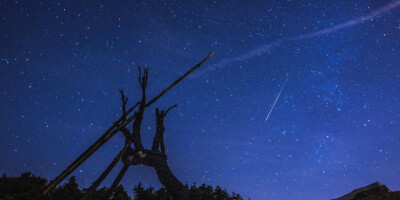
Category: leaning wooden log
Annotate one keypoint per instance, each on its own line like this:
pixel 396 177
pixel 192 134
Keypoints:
pixel 118 126
pixel 85 155
pixel 116 181
pixel 105 173
pixel 179 79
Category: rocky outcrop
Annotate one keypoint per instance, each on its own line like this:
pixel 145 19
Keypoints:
pixel 373 191
pixel 385 196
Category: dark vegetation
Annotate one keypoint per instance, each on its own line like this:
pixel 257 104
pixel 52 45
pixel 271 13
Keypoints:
pixel 30 187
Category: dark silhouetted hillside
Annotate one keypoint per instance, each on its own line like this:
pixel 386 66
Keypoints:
pixel 374 191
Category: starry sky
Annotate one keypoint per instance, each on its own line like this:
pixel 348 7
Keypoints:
pixel 327 71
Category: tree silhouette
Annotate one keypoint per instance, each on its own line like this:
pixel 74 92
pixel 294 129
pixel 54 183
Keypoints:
pixel 137 155
pixel 68 191
pixel 203 192
pixel 142 193
pixel 120 194
pixel 25 187
pixel 28 186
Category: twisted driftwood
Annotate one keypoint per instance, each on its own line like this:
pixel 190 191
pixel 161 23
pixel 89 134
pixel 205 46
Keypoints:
pixel 137 155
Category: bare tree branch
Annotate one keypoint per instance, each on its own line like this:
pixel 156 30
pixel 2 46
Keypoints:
pixel 159 130
pixel 158 140
pixel 140 76
pixel 124 101
pixel 138 156
pixel 139 115
pixel 162 144
pixel 166 112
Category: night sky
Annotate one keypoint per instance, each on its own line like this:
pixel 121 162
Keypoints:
pixel 300 101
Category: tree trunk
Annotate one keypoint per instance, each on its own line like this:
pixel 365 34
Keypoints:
pixel 158 161
pixel 171 183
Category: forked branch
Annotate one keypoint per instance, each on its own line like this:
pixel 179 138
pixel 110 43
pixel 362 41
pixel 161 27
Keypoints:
pixel 166 112
pixel 158 141
pixel 139 115
pixel 154 159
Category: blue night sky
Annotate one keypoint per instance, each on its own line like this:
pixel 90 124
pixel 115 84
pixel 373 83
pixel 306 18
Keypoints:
pixel 328 70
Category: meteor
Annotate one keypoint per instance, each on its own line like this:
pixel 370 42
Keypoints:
pixel 276 99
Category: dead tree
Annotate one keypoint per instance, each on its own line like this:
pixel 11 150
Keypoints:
pixel 137 155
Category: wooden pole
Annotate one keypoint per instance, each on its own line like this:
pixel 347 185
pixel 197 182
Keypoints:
pixel 112 131
pixel 103 139
pixel 179 79
pixel 105 173
pixel 116 181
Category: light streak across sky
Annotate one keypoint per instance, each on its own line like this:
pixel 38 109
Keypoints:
pixel 276 100
pixel 279 42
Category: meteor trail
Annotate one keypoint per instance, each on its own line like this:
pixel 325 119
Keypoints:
pixel 276 99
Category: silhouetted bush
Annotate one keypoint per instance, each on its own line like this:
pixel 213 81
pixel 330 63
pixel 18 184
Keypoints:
pixel 28 187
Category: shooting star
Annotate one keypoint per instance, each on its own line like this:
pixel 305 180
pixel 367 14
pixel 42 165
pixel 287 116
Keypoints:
pixel 276 99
